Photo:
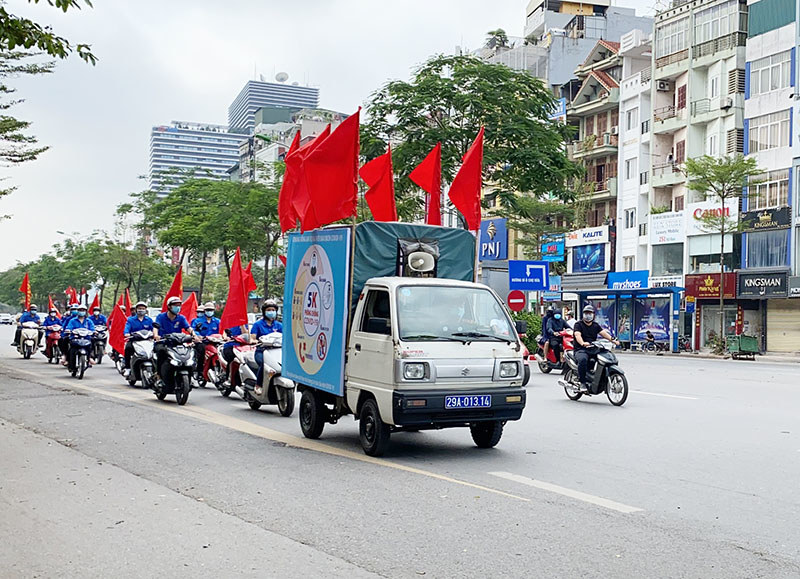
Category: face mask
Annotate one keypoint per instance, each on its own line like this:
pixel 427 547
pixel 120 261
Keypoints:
pixel 209 314
pixel 175 310
pixel 270 315
pixel 73 312
pixel 95 314
pixel 140 313
pixel 588 317
pixel 33 312
pixel 558 316
pixel 81 314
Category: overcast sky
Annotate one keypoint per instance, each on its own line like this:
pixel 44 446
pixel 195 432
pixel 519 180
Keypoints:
pixel 186 60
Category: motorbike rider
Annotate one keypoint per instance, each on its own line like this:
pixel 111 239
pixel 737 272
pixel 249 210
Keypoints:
pixel 80 321
pixel 97 318
pixel 63 342
pixel 268 324
pixel 136 323
pixel 30 316
pixel 569 318
pixel 169 322
pixel 203 326
pixel 586 332
pixel 546 320
pixel 555 326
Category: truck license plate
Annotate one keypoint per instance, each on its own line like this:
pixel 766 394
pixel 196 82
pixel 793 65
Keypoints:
pixel 456 402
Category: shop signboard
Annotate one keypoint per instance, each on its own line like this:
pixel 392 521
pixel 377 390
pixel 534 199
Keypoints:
pixel 794 287
pixel 667 227
pixel 588 236
pixel 628 279
pixel 494 240
pixel 705 286
pixel 553 247
pixel 553 293
pixel 766 219
pixel 589 258
pixel 695 212
pixel 761 285
pixel 666 281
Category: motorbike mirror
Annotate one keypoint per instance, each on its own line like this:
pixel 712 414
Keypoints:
pixel 521 326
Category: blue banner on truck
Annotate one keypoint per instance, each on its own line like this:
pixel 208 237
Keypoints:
pixel 315 306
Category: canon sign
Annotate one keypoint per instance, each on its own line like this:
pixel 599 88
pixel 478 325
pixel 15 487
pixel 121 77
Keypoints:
pixel 701 213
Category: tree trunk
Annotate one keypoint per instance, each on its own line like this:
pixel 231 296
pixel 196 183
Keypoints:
pixel 116 292
pixel 227 261
pixel 183 256
pixel 722 275
pixel 102 291
pixel 202 277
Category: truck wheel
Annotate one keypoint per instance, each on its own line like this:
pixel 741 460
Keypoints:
pixel 312 415
pixel 373 432
pixel 486 434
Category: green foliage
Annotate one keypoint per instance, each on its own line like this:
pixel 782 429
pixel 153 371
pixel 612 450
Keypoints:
pixel 534 328
pixel 656 209
pixel 496 38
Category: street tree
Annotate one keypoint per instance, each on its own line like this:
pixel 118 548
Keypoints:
pixel 496 38
pixel 720 179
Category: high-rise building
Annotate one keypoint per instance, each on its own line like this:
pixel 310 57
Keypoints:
pixel 180 148
pixel 258 94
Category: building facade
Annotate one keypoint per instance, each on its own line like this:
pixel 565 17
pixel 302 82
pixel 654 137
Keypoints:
pixel 180 149
pixel 256 95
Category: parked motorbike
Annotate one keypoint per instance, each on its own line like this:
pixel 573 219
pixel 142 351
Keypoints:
pixel 212 368
pixel 80 346
pixel 684 343
pixel 28 340
pixel 175 373
pixel 551 363
pixel 142 361
pixel 99 341
pixel 51 351
pixel 603 375
pixel 274 388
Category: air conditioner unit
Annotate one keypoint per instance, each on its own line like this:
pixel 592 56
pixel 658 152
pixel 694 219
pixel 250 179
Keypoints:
pixel 726 103
pixel 614 130
pixel 663 85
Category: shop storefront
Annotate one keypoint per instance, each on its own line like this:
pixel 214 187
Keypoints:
pixel 705 289
pixel 781 315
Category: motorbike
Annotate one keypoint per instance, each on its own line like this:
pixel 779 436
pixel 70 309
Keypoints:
pixel 51 351
pixel 603 375
pixel 684 343
pixel 80 345
pixel 274 388
pixel 142 360
pixel 212 368
pixel 551 363
pixel 230 371
pixel 175 373
pixel 99 341
pixel 28 340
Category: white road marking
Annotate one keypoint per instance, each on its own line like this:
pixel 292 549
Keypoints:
pixel 587 498
pixel 665 395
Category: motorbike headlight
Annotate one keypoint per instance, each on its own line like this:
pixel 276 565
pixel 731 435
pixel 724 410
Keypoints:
pixel 414 371
pixel 509 369
pixel 174 362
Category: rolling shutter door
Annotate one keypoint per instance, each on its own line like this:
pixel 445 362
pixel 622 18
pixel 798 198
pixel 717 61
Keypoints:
pixel 783 325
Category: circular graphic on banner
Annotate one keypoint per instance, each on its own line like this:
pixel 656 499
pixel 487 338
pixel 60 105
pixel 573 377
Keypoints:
pixel 312 314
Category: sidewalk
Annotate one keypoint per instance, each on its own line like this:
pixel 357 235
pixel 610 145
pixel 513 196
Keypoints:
pixel 769 357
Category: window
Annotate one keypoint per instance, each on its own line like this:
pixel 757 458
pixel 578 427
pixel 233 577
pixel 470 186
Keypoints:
pixel 589 126
pixel 771 73
pixel 377 314
pixel 630 218
pixel 713 145
pixel 667 259
pixel 680 152
pixel 682 96
pixel 769 131
pixel 631 119
pixel 713 88
pixel 643 178
pixel 671 38
pixel 767 248
pixel 628 262
pixel 630 169
pixel 716 21
pixel 768 190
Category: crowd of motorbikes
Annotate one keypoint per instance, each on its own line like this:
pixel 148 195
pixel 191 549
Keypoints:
pixel 237 372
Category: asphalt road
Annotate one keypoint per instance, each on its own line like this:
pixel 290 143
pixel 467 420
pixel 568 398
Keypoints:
pixel 695 476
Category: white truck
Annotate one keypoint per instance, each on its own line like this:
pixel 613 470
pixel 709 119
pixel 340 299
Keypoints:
pixel 384 321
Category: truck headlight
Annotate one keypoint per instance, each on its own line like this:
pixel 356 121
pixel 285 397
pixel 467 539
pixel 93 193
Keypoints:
pixel 509 369
pixel 414 371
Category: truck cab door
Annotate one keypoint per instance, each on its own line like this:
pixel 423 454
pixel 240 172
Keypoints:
pixel 370 359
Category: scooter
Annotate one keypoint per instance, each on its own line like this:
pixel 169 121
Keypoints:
pixel 175 373
pixel 212 369
pixel 603 375
pixel 230 371
pixel 142 360
pixel 28 340
pixel 274 389
pixel 551 363
pixel 51 351
pixel 99 343
pixel 80 345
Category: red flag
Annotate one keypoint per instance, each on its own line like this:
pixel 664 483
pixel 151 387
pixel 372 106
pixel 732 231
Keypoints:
pixel 298 192
pixel 52 306
pixel 235 312
pixel 176 289
pixel 72 295
pixel 127 303
pixel 25 288
pixel 95 301
pixel 465 191
pixel 286 212
pixel 83 298
pixel 428 176
pixel 249 280
pixel 283 259
pixel 116 330
pixel 331 175
pixel 189 307
pixel 380 178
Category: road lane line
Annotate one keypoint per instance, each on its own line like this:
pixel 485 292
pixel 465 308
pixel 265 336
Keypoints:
pixel 587 498
pixel 210 416
pixel 665 395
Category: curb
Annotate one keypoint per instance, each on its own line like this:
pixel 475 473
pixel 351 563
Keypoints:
pixel 763 358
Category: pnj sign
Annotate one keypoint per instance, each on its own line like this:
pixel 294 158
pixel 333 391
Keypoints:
pixel 494 240
pixel 623 280
pixel 588 236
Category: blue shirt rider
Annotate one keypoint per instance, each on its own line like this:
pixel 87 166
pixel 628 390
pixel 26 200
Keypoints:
pixel 30 316
pixel 169 322
pixel 136 323
pixel 97 318
pixel 51 320
pixel 268 324
pixel 80 321
pixel 204 325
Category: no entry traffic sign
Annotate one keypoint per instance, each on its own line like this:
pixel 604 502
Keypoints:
pixel 516 301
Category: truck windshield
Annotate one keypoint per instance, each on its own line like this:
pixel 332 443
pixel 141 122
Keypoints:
pixel 427 313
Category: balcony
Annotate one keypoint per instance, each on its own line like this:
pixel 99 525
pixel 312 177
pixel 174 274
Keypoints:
pixel 604 190
pixel 707 53
pixel 706 110
pixel 672 65
pixel 668 119
pixel 609 100
pixel 667 175
pixel 589 148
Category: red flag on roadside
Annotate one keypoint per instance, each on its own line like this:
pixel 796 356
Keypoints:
pixel 465 191
pixel 235 312
pixel 52 306
pixel 379 176
pixel 25 288
pixel 116 330
pixel 286 212
pixel 249 280
pixel 294 178
pixel 95 302
pixel 127 302
pixel 428 176
pixel 176 289
pixel 189 307
pixel 331 175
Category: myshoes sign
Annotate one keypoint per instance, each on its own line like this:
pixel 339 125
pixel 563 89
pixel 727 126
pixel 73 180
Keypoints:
pixel 766 219
pixel 763 285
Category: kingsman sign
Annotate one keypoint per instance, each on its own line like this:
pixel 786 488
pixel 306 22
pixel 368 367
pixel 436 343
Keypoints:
pixel 763 285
